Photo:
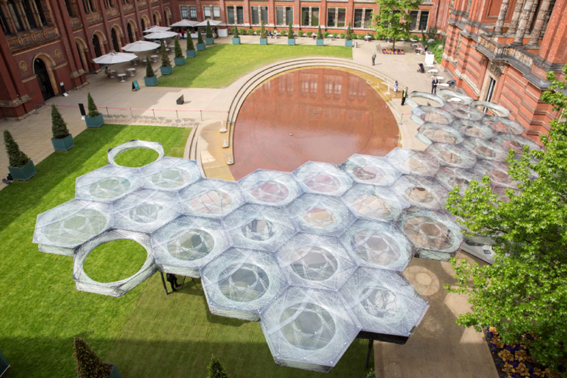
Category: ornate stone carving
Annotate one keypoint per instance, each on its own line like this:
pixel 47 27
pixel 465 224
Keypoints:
pixel 58 53
pixel 76 22
pixel 93 18
pixel 496 69
pixel 31 37
pixel 23 66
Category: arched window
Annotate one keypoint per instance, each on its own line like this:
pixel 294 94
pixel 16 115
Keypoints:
pixel 15 16
pixel 29 14
pixel 69 8
pixel 155 19
pixel 166 23
pixel 96 44
pixel 4 23
pixel 92 5
pixel 41 12
pixel 80 57
pixel 143 23
pixel 86 6
pixel 114 38
pixel 130 33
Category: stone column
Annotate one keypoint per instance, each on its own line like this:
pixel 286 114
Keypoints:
pixel 523 24
pixel 541 17
pixel 501 17
pixel 516 17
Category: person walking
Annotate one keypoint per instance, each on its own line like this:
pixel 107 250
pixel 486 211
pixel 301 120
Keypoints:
pixel 373 57
pixel 434 84
pixel 404 95
pixel 396 86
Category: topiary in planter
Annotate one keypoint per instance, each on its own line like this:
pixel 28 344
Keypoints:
pixel 94 119
pixel 151 79
pixel 89 365
pixel 348 36
pixel 200 43
pixel 235 36
pixel 179 58
pixel 165 68
pixel 215 369
pixel 62 140
pixel 320 40
pixel 21 167
pixel 209 34
pixel 263 34
pixel 190 52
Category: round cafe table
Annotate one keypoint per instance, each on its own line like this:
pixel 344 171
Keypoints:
pixel 131 71
pixel 121 77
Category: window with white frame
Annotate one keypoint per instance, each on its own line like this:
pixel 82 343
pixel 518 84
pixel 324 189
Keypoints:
pixel 310 16
pixel 419 20
pixel 211 11
pixel 235 15
pixel 193 12
pixel 362 18
pixel 284 15
pixel 336 17
pixel 258 14
pixel 184 11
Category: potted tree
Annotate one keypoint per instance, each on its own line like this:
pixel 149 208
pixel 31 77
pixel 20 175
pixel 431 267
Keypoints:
pixel 209 35
pixel 263 35
pixel 290 36
pixel 166 68
pixel 190 52
pixel 89 365
pixel 21 167
pixel 320 40
pixel 215 369
pixel 348 37
pixel 94 118
pixel 62 140
pixel 200 43
pixel 235 36
pixel 179 59
pixel 151 79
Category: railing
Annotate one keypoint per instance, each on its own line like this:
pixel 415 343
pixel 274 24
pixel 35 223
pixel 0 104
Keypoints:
pixel 505 52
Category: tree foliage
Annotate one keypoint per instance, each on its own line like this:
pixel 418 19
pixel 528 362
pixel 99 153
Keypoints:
pixel 348 35
pixel 393 20
pixel 209 30
pixel 165 62
pixel 524 293
pixel 199 37
pixel 178 51
pixel 263 33
pixel 93 110
pixel 319 34
pixel 290 32
pixel 58 126
pixel 215 369
pixel 149 69
pixel 89 365
pixel 235 32
pixel 190 46
pixel 15 156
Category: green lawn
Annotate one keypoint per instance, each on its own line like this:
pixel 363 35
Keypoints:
pixel 220 65
pixel 145 332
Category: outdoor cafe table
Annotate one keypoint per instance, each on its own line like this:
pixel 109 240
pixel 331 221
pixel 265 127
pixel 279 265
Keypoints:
pixel 121 77
pixel 131 71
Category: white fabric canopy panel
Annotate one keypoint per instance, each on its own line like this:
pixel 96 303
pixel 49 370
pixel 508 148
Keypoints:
pixel 170 174
pixel 141 46
pixel 473 129
pixel 320 214
pixel 108 183
pixel 413 162
pixel 373 170
pixel 269 188
pixel 210 198
pixel 421 191
pixel 322 178
pixel 374 202
pixel 451 155
pixel 429 133
pixel 463 111
pixel 485 149
pixel 452 177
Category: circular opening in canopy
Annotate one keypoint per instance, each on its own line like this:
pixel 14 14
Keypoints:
pixel 115 261
pixel 136 157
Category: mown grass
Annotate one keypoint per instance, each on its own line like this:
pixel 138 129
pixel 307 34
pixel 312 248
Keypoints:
pixel 220 65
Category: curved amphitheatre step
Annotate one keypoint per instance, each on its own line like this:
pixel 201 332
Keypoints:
pixel 259 76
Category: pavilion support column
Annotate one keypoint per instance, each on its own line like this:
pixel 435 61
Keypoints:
pixel 516 17
pixel 541 17
pixel 501 17
pixel 523 24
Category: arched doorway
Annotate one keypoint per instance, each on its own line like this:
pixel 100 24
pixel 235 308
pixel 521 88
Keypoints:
pixel 114 38
pixel 144 26
pixel 43 79
pixel 96 45
pixel 156 20
pixel 130 33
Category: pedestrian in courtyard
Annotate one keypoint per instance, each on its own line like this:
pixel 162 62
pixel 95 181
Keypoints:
pixel 404 95
pixel 373 57
pixel 172 279
pixel 434 84
pixel 396 86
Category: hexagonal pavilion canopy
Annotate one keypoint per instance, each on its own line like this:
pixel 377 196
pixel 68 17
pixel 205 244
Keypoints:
pixel 315 255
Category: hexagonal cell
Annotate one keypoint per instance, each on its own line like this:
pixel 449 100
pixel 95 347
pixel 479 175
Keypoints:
pixel 485 149
pixel 241 282
pixel 210 198
pixel 503 125
pixel 434 234
pixel 377 245
pixel 186 244
pixel 107 184
pixel 498 173
pixel 374 202
pixel 433 115
pixel 259 227
pixel 322 178
pixel 269 188
pixel 315 261
pixel 463 111
pixel 450 177
pixel 429 133
pixel 170 174
pixel 320 214
pixel 446 95
pixel 366 169
pixel 117 288
pixel 473 129
pixel 452 155
pixel 424 98
pixel 413 162
pixel 306 329
pixel 490 106
pixel 114 151
pixel 516 142
pixel 420 191
pixel 71 224
pixel 145 210
pixel 383 302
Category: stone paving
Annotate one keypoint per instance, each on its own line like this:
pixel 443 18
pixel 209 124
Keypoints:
pixel 439 348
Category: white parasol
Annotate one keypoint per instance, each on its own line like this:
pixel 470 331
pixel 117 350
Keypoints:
pixel 212 23
pixel 156 29
pixel 160 35
pixel 184 24
pixel 115 58
pixel 141 46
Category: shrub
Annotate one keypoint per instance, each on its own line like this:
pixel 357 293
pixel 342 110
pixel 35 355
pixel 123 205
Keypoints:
pixel 290 32
pixel 58 125
pixel 360 36
pixel 250 32
pixel 326 34
pixel 283 33
pixel 348 35
pixel 300 33
pixel 149 69
pixel 215 369
pixel 16 157
pixel 335 35
pixel 263 33
pixel 209 31
pixel 165 62
pixel 235 33
pixel 199 37
pixel 89 365
pixel 93 111
pixel 190 45
pixel 178 51
pixel 242 31
pixel 319 34
pixel 342 35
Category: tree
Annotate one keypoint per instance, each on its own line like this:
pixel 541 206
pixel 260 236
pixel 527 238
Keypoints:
pixel 319 34
pixel 290 32
pixel 93 110
pixel 348 36
pixel 523 293
pixel 58 125
pixel 149 69
pixel 393 18
pixel 263 33
pixel 178 51
pixel 209 31
pixel 15 156
pixel 199 37
pixel 235 32
pixel 165 62
pixel 89 365
pixel 215 369
pixel 190 45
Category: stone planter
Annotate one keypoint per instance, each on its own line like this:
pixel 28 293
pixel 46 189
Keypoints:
pixel 209 41
pixel 291 42
pixel 63 144
pixel 348 43
pixel 179 61
pixel 94 122
pixel 200 46
pixel 320 42
pixel 150 81
pixel 191 53
pixel 4 365
pixel 236 41
pixel 166 70
pixel 263 41
pixel 23 173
